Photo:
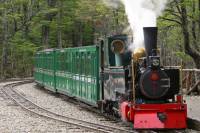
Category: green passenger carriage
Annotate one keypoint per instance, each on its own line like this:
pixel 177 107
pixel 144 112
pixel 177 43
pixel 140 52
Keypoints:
pixel 71 71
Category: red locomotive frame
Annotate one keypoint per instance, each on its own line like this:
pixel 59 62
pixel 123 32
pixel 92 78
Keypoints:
pixel 156 116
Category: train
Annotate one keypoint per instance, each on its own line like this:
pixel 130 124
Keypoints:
pixel 132 85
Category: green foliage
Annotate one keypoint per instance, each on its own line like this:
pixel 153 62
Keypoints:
pixel 183 56
pixel 71 22
pixel 173 28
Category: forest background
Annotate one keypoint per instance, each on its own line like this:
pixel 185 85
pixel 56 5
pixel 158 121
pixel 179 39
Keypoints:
pixel 27 26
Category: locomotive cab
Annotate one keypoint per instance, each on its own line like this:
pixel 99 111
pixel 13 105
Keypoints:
pixel 116 58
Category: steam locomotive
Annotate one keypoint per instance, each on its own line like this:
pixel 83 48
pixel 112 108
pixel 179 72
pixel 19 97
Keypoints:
pixel 131 85
pixel 146 93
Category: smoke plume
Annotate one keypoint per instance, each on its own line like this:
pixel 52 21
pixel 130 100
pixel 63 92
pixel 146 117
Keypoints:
pixel 142 13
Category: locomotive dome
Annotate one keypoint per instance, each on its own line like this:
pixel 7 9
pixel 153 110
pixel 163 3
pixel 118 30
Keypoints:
pixel 139 53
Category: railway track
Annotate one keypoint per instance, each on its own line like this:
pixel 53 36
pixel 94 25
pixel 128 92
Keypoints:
pixel 28 105
pixel 82 126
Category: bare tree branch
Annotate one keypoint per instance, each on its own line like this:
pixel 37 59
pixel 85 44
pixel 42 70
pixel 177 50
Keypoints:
pixel 172 20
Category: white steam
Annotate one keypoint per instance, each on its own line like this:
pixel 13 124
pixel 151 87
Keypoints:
pixel 142 13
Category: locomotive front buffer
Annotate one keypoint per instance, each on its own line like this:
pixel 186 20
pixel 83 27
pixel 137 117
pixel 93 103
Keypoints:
pixel 155 101
pixel 155 116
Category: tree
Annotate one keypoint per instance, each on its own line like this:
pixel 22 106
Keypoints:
pixel 182 14
pixel 4 41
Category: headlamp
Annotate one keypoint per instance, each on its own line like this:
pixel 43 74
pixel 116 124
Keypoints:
pixel 155 61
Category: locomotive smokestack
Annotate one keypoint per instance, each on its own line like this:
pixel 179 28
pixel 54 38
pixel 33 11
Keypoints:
pixel 150 40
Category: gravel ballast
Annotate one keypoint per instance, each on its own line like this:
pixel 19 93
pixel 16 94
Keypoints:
pixel 59 105
pixel 15 119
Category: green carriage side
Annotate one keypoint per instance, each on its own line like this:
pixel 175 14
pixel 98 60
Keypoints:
pixel 71 71
pixel 44 69
pixel 38 69
pixel 49 69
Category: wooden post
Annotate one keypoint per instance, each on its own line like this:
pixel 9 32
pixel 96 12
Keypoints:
pixel 133 75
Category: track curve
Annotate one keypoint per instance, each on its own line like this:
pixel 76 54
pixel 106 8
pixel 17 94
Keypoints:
pixel 28 105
